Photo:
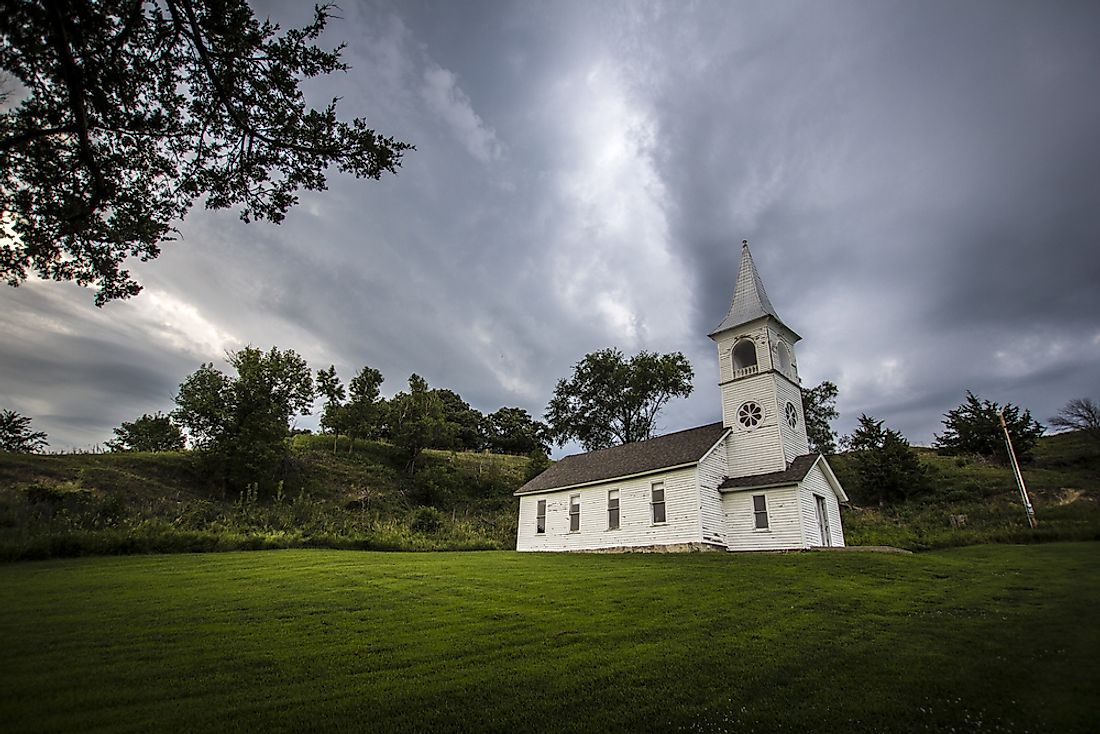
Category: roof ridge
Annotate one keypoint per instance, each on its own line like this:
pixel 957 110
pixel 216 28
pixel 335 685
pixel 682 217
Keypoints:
pixel 643 441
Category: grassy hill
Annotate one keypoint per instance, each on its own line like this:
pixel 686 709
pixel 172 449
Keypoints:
pixel 990 638
pixel 80 504
pixel 1063 481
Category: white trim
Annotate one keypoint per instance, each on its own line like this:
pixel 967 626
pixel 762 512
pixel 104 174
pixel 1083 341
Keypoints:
pixel 719 442
pixel 831 478
pixel 753 488
pixel 801 520
pixel 827 470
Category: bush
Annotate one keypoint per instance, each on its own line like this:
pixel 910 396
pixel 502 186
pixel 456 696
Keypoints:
pixel 886 467
pixel 427 520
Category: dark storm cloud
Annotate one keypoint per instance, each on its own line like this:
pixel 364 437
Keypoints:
pixel 917 181
pixel 74 374
pixel 934 163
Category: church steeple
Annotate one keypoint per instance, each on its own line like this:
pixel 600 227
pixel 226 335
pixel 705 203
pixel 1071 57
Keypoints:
pixel 750 300
pixel 758 376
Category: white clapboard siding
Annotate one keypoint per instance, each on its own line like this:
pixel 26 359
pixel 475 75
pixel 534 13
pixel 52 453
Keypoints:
pixel 815 484
pixel 784 520
pixel 636 527
pixel 795 441
pixel 753 450
pixel 711 473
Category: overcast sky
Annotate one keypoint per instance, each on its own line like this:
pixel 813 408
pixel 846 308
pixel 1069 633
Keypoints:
pixel 919 182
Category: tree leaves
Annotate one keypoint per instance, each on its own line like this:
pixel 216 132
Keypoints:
pixel 147 433
pixel 242 423
pixel 887 468
pixel 16 434
pixel 613 400
pixel 133 109
pixel 974 428
pixel 819 406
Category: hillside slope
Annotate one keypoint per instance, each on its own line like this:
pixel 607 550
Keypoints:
pixel 1063 481
pixel 81 504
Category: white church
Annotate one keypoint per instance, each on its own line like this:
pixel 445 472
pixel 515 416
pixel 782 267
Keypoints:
pixel 747 483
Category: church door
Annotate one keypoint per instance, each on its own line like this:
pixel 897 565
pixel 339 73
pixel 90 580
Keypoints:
pixel 823 520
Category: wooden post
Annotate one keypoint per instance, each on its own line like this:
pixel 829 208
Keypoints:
pixel 1034 523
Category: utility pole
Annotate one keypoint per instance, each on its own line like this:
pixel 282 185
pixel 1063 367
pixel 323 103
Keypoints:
pixel 1016 471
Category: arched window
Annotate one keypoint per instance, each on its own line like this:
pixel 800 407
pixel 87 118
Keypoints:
pixel 784 358
pixel 744 354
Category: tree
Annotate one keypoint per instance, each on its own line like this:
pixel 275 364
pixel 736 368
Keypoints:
pixel 975 428
pixel 468 432
pixel 333 414
pixel 886 467
pixel 364 411
pixel 416 421
pixel 612 400
pixel 135 109
pixel 16 435
pixel 513 431
pixel 819 405
pixel 1079 414
pixel 242 423
pixel 148 433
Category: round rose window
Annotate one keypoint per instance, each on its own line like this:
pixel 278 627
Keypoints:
pixel 792 415
pixel 750 414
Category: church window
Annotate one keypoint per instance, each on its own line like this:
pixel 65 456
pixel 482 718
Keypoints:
pixel 613 509
pixel 750 414
pixel 574 513
pixel 657 499
pixel 784 358
pixel 792 415
pixel 540 518
pixel 760 511
pixel 744 354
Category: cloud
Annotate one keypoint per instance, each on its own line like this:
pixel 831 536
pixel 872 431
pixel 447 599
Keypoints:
pixel 446 98
pixel 181 326
pixel 917 183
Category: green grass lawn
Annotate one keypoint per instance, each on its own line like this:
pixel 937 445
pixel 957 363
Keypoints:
pixel 989 638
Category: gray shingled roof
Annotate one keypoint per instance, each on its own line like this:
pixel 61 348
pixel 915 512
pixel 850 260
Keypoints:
pixel 673 449
pixel 793 474
pixel 750 300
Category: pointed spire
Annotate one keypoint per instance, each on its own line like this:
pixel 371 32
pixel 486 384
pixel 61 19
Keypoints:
pixel 750 300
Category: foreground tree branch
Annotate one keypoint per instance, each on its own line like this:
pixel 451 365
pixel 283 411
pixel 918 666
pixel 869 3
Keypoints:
pixel 134 109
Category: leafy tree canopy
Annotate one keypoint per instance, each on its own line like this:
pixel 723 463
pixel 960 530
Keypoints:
pixel 242 422
pixel 333 415
pixel 148 433
pixel 468 432
pixel 416 420
pixel 131 110
pixel 1079 414
pixel 365 409
pixel 610 399
pixel 514 431
pixel 819 405
pixel 975 428
pixel 887 468
pixel 16 434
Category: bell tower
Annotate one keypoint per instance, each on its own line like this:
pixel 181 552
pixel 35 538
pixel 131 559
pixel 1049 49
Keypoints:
pixel 758 377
